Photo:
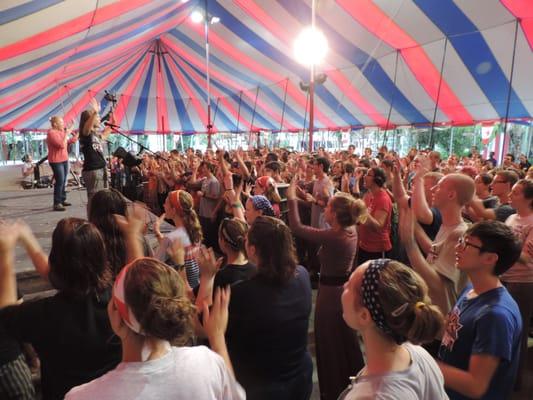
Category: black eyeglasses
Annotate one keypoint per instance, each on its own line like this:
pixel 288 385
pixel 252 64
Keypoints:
pixel 463 243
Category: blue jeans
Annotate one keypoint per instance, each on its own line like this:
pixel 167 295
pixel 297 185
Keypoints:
pixel 60 171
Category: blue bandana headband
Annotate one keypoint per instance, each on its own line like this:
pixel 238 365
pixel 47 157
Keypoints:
pixel 260 202
pixel 371 299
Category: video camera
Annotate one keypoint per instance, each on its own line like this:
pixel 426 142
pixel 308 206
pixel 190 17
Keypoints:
pixel 110 97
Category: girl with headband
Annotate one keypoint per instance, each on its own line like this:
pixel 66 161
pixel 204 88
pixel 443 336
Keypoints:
pixel 148 311
pixel 179 207
pixel 388 304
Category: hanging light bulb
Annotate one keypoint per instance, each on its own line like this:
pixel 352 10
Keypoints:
pixel 197 17
pixel 310 47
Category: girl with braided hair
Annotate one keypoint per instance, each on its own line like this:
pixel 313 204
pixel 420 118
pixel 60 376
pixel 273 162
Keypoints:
pixel 179 207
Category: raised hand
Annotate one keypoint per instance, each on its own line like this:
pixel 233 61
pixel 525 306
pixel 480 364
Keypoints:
pixel 215 321
pixel 207 262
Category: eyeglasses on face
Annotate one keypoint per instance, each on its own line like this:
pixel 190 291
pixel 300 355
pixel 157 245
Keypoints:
pixel 463 244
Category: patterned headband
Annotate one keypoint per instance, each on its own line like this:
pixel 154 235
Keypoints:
pixel 371 299
pixel 260 202
pixel 119 298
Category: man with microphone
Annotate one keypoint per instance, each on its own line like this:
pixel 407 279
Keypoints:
pixel 58 141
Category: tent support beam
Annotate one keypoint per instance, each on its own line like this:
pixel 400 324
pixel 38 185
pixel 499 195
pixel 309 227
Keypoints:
pixel 392 96
pixel 506 139
pixel 239 111
pixel 431 138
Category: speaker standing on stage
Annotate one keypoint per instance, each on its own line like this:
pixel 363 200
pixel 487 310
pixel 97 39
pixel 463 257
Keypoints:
pixel 58 141
pixel 94 166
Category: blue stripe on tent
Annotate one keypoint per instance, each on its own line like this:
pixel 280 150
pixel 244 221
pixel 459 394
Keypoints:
pixel 258 119
pixel 140 115
pixel 225 120
pixel 6 73
pixel 46 93
pixel 214 60
pixel 183 115
pixel 368 65
pixel 474 51
pixel 254 40
pixel 20 11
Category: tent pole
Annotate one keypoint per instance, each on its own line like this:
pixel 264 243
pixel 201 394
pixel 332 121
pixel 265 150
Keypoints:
pixel 431 140
pixel 505 135
pixel 208 77
pixel 253 115
pixel 239 111
pixel 284 104
pixel 392 96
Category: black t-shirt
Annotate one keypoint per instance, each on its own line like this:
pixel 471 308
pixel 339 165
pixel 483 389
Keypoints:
pixel 9 347
pixel 267 329
pixel 93 154
pixel 233 273
pixel 72 337
pixel 503 212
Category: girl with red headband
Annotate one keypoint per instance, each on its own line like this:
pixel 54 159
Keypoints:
pixel 179 207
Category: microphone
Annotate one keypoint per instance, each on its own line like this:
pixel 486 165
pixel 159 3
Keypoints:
pixel 111 125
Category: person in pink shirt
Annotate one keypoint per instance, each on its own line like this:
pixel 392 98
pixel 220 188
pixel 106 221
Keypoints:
pixel 58 140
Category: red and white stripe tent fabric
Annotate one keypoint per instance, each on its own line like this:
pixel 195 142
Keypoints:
pixel 390 63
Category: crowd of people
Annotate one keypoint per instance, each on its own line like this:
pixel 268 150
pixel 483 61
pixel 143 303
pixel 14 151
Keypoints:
pixel 424 270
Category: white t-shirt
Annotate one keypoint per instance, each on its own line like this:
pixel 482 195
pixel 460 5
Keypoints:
pixel 442 258
pixel 523 228
pixel 423 380
pixel 25 168
pixel 183 373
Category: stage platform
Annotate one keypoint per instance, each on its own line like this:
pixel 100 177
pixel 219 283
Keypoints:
pixel 35 207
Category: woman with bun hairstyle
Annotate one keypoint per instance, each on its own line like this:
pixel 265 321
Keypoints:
pixel 388 304
pixel 153 317
pixel 337 352
pixel 179 207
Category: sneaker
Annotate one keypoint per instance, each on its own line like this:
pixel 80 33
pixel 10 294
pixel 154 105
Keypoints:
pixel 66 204
pixel 59 207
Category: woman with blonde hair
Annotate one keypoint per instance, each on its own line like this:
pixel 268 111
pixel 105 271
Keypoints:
pixel 337 351
pixel 179 207
pixel 388 304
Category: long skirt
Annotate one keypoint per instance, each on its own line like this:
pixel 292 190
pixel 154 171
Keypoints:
pixel 337 350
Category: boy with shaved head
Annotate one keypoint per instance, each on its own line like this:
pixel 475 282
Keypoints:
pixel 438 269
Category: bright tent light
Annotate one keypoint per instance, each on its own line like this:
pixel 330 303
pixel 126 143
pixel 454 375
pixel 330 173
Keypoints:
pixel 197 17
pixel 310 47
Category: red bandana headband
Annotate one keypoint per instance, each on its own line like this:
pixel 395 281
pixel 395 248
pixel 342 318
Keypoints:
pixel 174 198
pixel 119 298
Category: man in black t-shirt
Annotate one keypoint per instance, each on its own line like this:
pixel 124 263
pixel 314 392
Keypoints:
pixel 94 166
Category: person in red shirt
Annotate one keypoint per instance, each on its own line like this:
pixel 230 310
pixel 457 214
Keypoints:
pixel 374 234
pixel 58 140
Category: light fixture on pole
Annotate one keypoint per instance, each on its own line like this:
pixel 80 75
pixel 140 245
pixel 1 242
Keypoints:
pixel 198 16
pixel 310 48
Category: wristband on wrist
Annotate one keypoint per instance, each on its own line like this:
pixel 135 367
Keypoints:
pixel 236 205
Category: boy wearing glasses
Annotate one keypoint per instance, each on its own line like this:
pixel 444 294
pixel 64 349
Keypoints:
pixel 481 344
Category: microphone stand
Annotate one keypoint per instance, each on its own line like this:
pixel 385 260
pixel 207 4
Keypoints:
pixel 116 129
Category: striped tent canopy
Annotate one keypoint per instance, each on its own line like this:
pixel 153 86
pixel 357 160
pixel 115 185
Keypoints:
pixel 390 63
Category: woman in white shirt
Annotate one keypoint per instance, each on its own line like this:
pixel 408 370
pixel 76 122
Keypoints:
pixel 388 304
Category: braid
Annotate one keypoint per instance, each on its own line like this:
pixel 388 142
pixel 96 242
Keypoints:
pixel 192 226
